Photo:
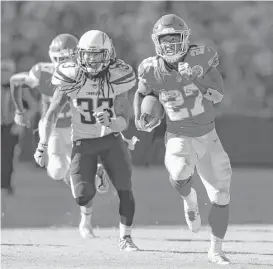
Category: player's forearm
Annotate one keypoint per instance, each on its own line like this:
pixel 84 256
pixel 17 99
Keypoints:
pixel 46 126
pixel 207 83
pixel 137 104
pixel 210 89
pixel 16 95
pixel 119 124
pixel 123 111
pixel 44 108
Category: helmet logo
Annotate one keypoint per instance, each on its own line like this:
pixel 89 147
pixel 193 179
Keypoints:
pixel 167 31
pixel 198 69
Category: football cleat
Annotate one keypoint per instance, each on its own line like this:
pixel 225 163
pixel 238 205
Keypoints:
pixel 218 258
pixel 192 215
pixel 126 244
pixel 101 180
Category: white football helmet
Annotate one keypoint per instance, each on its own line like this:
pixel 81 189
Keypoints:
pixel 94 51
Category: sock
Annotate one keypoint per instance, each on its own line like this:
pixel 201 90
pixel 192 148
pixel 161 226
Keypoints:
pixel 215 243
pixel 218 220
pixel 191 199
pixel 124 230
pixel 86 213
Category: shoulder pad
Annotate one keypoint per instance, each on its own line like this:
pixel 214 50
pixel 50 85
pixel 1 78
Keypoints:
pixel 121 73
pixel 152 71
pixel 208 54
pixel 38 68
pixel 201 58
pixel 68 76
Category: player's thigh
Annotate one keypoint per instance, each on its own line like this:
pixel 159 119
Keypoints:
pixel 66 136
pixel 83 168
pixel 182 154
pixel 118 164
pixel 57 143
pixel 215 171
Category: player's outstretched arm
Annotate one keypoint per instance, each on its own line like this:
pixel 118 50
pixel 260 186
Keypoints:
pixel 123 112
pixel 17 83
pixel 49 121
pixel 141 92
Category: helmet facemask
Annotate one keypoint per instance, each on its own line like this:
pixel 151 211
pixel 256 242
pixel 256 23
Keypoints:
pixel 93 60
pixel 60 56
pixel 172 51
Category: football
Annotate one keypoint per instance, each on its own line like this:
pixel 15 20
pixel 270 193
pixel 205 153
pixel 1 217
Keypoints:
pixel 152 107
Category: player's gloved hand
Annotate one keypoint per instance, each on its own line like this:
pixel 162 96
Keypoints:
pixel 22 119
pixel 40 155
pixel 101 180
pixel 147 123
pixel 130 142
pixel 103 118
pixel 186 71
pixel 138 124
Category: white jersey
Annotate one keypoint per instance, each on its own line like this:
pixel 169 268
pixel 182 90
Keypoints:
pixel 88 96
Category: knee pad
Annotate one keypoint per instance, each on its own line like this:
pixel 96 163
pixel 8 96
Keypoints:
pixel 57 167
pixel 83 193
pixel 220 198
pixel 180 169
pixel 83 201
pixel 182 186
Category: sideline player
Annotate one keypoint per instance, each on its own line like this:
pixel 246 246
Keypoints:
pixel 97 90
pixel 187 83
pixel 62 48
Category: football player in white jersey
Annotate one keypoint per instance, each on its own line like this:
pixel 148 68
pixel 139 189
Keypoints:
pixel 62 48
pixel 97 90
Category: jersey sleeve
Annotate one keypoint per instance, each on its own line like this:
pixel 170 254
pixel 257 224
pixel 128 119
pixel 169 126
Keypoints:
pixel 69 77
pixel 204 58
pixel 213 57
pixel 123 77
pixel 34 75
pixel 146 76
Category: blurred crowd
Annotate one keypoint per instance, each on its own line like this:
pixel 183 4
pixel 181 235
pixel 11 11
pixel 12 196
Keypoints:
pixel 241 32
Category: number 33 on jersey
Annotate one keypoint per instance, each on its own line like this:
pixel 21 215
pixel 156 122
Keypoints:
pixel 92 95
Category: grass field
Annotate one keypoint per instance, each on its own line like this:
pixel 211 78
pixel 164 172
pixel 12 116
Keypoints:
pixel 39 229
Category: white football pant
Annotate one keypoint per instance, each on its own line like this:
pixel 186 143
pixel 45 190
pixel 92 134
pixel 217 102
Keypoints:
pixel 59 152
pixel 207 155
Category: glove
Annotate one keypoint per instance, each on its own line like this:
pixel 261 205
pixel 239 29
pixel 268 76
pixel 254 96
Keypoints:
pixel 130 142
pixel 101 180
pixel 103 118
pixel 22 119
pixel 40 155
pixel 148 125
pixel 186 71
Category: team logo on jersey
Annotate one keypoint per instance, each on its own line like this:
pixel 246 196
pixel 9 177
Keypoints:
pixel 198 69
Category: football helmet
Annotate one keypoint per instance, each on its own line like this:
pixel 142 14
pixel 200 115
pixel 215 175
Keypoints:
pixel 95 49
pixel 171 24
pixel 62 47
